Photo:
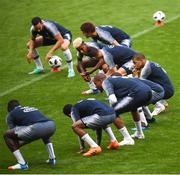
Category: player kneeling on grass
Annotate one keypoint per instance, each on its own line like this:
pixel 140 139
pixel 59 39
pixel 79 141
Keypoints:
pixel 85 60
pixel 153 71
pixel 27 124
pixel 50 33
pixel 93 114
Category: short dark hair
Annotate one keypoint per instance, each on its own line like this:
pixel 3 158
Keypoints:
pixel 99 76
pixel 88 27
pixel 36 20
pixel 12 104
pixel 139 56
pixel 67 109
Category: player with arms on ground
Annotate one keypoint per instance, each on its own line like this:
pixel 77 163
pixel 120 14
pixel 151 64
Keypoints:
pixel 154 72
pixel 93 114
pixel 85 60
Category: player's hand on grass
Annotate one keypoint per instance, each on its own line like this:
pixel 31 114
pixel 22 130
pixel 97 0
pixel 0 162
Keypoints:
pixel 48 56
pixel 87 78
pixel 29 57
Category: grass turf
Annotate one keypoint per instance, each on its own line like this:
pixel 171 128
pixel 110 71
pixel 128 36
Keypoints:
pixel 158 153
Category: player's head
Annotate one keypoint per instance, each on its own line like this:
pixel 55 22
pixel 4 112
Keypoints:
pixel 37 23
pixel 88 29
pixel 84 49
pixel 139 60
pixel 12 104
pixel 98 79
pixel 67 109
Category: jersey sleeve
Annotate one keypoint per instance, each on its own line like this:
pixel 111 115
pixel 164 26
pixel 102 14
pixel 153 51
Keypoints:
pixel 51 28
pixel 75 114
pixel 108 58
pixel 146 71
pixel 105 35
pixel 108 87
pixel 33 32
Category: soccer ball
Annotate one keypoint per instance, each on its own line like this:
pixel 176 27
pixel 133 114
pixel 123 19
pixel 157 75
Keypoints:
pixel 159 16
pixel 55 61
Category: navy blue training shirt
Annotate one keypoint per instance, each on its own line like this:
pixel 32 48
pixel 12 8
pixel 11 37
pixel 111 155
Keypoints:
pixel 89 107
pixel 25 116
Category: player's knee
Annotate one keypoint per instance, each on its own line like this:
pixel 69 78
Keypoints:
pixel 64 47
pixel 75 127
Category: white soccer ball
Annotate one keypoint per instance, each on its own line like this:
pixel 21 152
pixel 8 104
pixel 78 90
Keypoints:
pixel 159 16
pixel 55 61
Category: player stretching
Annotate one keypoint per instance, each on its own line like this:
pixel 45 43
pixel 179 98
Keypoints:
pixel 50 33
pixel 27 124
pixel 106 34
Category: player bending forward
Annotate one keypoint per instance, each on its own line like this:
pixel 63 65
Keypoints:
pixel 50 33
pixel 27 124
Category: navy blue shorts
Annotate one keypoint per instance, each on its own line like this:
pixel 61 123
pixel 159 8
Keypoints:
pixel 140 99
pixel 169 92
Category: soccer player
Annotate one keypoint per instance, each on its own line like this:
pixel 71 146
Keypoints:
pixel 93 114
pixel 154 72
pixel 50 33
pixel 27 124
pixel 118 58
pixel 106 34
pixel 84 61
pixel 125 95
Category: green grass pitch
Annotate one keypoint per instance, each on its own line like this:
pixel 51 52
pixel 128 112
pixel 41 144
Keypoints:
pixel 158 153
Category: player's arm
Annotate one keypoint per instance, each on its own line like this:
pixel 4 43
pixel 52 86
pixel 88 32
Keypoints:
pixel 83 72
pixel 31 47
pixel 75 116
pixel 99 136
pixel 80 63
pixel 107 36
pixel 146 70
pixel 9 121
pixel 115 43
pixel 59 41
pixel 108 88
pixel 82 145
pixel 98 55
pixel 97 66
pixel 110 62
pixel 111 71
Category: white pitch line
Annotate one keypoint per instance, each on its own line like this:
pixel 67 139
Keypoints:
pixel 27 83
pixel 153 27
pixel 46 75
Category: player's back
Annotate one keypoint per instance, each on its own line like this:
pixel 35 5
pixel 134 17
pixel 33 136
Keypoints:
pixel 115 32
pixel 60 28
pixel 25 115
pixel 92 106
pixel 125 86
pixel 119 54
pixel 50 29
pixel 154 72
